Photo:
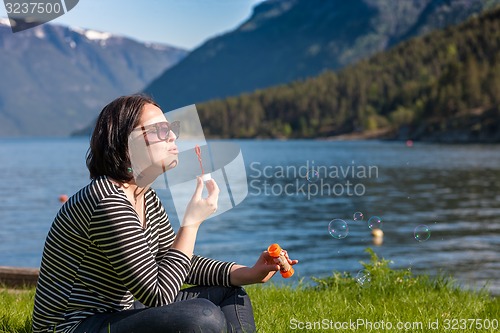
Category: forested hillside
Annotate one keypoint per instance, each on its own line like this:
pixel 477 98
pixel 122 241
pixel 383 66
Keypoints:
pixel 444 86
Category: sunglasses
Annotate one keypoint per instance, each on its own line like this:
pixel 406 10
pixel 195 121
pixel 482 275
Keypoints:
pixel 162 129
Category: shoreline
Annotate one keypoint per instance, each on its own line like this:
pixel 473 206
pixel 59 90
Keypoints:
pixel 15 277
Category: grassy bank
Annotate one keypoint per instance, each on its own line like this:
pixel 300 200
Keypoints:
pixel 15 310
pixel 386 300
pixel 383 300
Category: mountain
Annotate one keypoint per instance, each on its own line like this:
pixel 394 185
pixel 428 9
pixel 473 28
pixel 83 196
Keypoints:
pixel 56 79
pixel 286 40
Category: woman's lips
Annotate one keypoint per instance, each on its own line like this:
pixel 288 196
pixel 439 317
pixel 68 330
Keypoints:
pixel 173 150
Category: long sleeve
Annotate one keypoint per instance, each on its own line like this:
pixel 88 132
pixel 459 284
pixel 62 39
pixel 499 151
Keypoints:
pixel 116 231
pixel 209 272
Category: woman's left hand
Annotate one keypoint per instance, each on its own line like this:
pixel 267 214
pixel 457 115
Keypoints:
pixel 265 267
pixel 261 272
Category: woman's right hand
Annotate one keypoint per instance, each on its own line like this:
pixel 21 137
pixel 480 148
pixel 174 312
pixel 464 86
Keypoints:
pixel 199 209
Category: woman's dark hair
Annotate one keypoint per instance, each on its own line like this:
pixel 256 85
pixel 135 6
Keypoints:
pixel 108 152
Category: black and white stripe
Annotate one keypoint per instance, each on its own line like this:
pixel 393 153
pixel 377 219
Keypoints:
pixel 98 258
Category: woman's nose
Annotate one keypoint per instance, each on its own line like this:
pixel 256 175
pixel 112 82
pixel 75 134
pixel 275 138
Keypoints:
pixel 171 136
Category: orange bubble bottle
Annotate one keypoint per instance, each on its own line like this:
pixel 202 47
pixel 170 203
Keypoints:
pixel 277 253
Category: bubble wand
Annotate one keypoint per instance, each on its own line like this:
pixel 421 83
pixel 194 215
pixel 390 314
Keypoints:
pixel 197 150
pixel 204 176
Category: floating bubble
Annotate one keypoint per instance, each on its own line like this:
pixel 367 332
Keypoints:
pixel 338 228
pixel 422 233
pixel 312 176
pixel 363 277
pixel 375 222
pixel 358 216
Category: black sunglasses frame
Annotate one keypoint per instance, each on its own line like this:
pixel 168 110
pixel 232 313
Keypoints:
pixel 174 126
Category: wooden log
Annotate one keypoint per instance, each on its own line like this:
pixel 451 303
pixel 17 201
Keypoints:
pixel 15 277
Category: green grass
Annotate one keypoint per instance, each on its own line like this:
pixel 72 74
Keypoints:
pixel 340 303
pixel 389 298
pixel 15 310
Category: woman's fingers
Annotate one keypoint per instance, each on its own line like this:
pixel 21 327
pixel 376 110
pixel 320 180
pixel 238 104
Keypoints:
pixel 291 262
pixel 212 187
pixel 213 194
pixel 200 208
pixel 199 188
pixel 268 261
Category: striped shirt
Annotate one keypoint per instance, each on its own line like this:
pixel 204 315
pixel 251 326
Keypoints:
pixel 98 258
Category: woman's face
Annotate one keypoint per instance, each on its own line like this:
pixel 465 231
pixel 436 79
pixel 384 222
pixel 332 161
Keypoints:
pixel 152 146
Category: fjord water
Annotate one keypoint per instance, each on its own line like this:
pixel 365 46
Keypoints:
pixel 454 190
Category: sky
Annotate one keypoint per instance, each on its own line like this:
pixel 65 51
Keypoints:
pixel 181 23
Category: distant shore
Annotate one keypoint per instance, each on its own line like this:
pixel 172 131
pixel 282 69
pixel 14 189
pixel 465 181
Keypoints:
pixel 15 277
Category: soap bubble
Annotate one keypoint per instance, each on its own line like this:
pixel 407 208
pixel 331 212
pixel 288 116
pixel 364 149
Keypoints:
pixel 363 277
pixel 422 233
pixel 338 228
pixel 312 176
pixel 375 222
pixel 358 216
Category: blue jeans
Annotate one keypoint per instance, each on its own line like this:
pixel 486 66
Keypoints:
pixel 196 309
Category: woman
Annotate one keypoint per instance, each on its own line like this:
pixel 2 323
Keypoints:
pixel 112 262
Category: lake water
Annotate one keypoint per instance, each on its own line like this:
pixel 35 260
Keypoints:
pixel 454 190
